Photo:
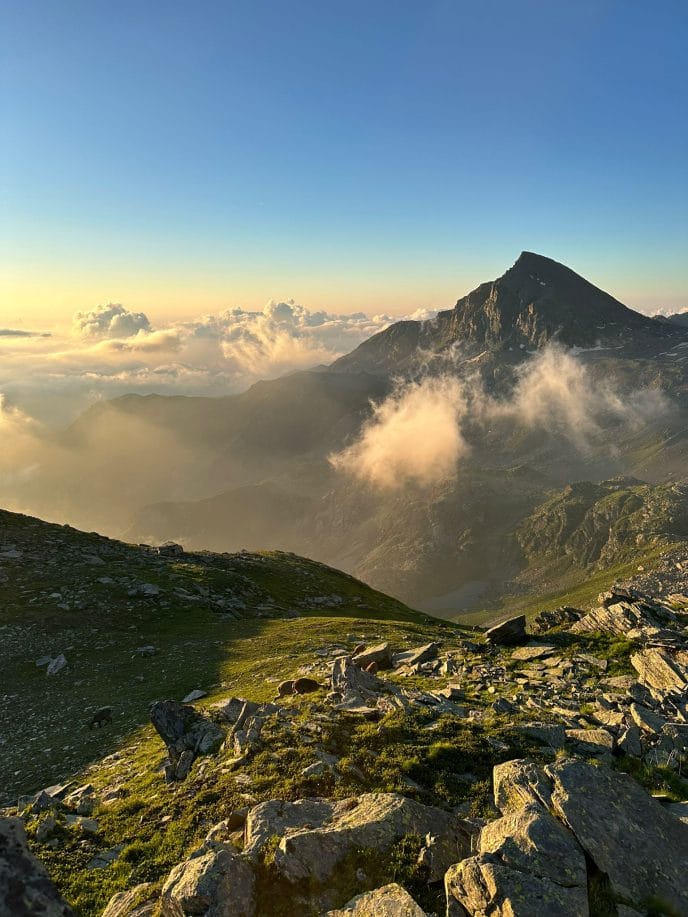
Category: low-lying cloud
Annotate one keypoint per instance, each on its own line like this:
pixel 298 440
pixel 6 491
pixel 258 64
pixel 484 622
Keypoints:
pixel 420 435
pixel 113 350
pixel 414 436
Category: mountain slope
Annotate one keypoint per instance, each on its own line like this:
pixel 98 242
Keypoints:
pixel 536 301
pixel 97 601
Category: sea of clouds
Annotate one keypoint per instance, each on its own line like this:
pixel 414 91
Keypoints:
pixel 112 350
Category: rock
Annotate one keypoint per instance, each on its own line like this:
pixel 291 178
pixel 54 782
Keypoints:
pixel 646 719
pixel 196 694
pixel 136 902
pixel 641 847
pixel 231 709
pixel 552 734
pixel 661 670
pixel 629 742
pixel 382 654
pixel 45 828
pixel 531 651
pixel 105 858
pixel 592 741
pixel 520 783
pixel 547 620
pixel 417 656
pixel 183 729
pixel 276 817
pixel 58 663
pixel 25 887
pixel 373 820
pixel 351 686
pixel 389 901
pixel 528 865
pixel 213 882
pixel 170 549
pixel 507 633
pixel 44 660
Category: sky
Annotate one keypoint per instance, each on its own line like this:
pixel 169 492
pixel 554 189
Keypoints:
pixel 185 159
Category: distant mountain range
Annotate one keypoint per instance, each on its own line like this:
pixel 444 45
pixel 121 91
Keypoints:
pixel 253 470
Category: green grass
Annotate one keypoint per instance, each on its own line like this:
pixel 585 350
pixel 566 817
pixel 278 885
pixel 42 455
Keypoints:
pixel 574 591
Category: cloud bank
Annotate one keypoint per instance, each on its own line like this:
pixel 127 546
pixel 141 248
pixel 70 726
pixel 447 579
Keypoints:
pixel 112 350
pixel 419 435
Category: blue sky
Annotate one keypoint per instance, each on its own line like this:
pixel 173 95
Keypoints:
pixel 384 156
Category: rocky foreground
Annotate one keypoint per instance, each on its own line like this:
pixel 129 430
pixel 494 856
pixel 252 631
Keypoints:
pixel 507 773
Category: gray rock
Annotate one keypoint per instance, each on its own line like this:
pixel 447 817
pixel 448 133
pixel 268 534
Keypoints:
pixel 381 654
pixel 641 847
pixel 389 901
pixel 136 902
pixel 196 694
pixel 58 663
pixel 25 887
pixel 507 633
pixel 277 817
pixel 520 783
pixel 417 656
pixel 183 729
pixel 629 742
pixel 531 651
pixel 528 865
pixel 661 670
pixel 552 734
pixel 213 882
pixel 592 741
pixel 374 820
pixel 646 719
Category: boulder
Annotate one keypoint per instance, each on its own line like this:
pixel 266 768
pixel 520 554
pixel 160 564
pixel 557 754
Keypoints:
pixel 25 887
pixel 389 901
pixel 136 902
pixel 417 656
pixel 353 688
pixel 508 633
pixel 647 719
pixel 661 670
pixel 277 817
pixel 373 820
pixel 520 783
pixel 641 847
pixel 528 865
pixel 214 882
pixel 382 654
pixel 547 620
pixel 57 664
pixel 186 733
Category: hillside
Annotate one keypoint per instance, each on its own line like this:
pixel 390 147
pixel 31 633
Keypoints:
pixel 105 606
pixel 481 761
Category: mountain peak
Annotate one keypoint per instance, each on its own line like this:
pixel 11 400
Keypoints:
pixel 535 301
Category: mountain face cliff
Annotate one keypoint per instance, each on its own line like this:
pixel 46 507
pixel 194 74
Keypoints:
pixel 253 470
pixel 535 302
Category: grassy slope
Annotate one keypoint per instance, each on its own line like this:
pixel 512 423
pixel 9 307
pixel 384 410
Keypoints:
pixel 577 589
pixel 43 731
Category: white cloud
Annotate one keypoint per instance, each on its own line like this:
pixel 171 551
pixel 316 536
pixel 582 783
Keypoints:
pixel 419 434
pixel 111 321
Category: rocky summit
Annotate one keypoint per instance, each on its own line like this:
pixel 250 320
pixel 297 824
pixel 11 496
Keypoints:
pixel 315 757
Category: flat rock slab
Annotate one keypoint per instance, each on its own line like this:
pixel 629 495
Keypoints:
pixel 389 901
pixel 641 846
pixel 526 653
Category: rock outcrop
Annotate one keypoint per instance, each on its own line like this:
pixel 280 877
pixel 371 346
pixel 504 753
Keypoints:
pixel 25 888
pixel 186 733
